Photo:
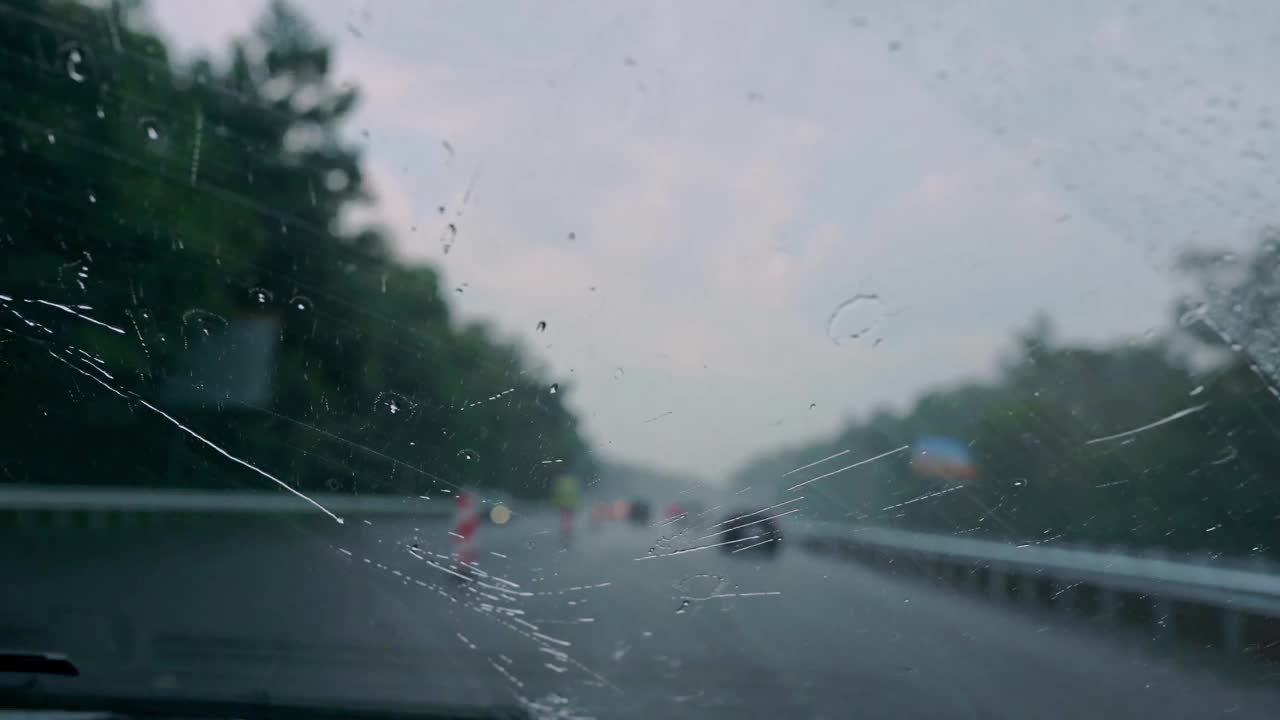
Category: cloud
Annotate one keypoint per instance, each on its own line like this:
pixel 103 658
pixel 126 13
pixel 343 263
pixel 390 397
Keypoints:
pixel 729 175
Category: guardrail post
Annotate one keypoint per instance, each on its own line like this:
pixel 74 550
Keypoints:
pixel 976 574
pixel 1064 597
pixel 1108 603
pixel 996 584
pixel 1233 627
pixel 1029 589
pixel 1162 610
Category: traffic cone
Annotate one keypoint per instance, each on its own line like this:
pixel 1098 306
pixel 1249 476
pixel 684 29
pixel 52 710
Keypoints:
pixel 464 528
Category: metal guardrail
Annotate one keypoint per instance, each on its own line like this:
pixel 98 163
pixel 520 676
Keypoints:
pixel 1238 597
pixel 97 507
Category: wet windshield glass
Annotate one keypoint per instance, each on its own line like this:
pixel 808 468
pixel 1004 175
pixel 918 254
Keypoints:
pixel 592 359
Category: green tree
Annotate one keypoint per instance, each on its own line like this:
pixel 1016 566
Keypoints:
pixel 1068 440
pixel 174 242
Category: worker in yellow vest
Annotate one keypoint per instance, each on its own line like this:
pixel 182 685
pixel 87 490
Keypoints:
pixel 567 494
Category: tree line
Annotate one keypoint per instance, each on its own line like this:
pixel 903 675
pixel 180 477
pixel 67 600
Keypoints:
pixel 178 274
pixel 1167 442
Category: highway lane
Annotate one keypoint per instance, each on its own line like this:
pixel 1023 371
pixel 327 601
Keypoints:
pixel 601 628
pixel 840 638
pixel 261 608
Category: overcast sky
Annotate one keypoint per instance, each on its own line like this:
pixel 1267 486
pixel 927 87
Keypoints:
pixel 685 192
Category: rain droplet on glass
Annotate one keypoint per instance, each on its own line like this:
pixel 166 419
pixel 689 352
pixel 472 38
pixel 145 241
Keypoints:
pixel 204 321
pixel 1190 317
pixel 149 128
pixel 855 317
pixel 392 402
pixel 448 237
pixel 73 60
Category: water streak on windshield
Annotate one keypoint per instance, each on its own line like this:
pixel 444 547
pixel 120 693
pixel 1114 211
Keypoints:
pixel 597 360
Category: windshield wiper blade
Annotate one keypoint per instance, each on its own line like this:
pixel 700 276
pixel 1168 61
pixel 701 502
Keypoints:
pixel 31 663
pixel 208 709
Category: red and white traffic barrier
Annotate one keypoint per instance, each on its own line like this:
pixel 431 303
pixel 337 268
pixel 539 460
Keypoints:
pixel 466 522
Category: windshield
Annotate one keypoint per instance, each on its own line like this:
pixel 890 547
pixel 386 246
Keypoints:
pixel 815 359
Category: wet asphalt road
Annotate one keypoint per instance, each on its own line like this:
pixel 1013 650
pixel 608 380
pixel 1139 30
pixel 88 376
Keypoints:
pixel 312 611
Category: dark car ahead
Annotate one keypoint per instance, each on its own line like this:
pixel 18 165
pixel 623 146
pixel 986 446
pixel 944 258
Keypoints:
pixel 639 512
pixel 748 532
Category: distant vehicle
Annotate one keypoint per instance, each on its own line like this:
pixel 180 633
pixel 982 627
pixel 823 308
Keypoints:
pixel 750 532
pixel 639 512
